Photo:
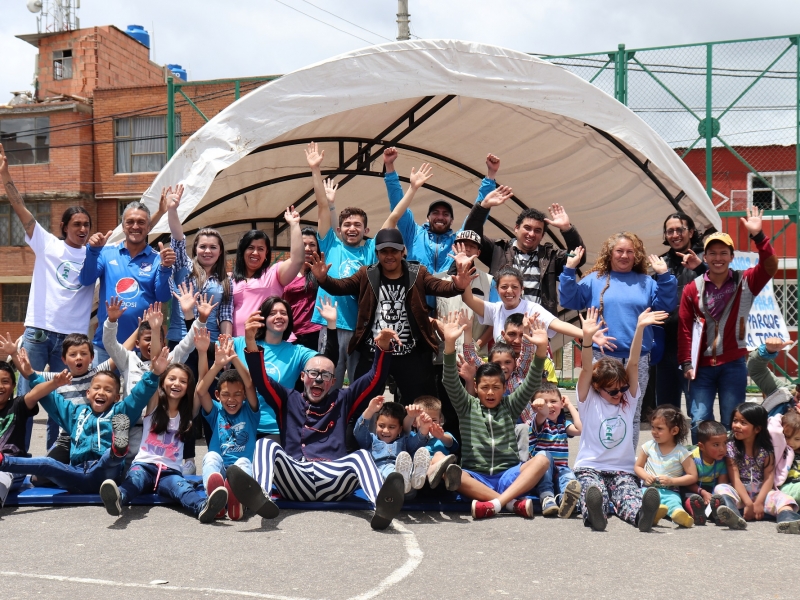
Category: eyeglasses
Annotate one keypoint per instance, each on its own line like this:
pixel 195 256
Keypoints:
pixel 315 374
pixel 618 391
pixel 676 231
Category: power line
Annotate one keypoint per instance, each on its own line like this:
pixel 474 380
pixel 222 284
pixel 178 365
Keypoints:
pixel 346 21
pixel 324 22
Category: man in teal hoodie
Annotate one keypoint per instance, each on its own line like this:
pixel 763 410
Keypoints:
pixel 98 430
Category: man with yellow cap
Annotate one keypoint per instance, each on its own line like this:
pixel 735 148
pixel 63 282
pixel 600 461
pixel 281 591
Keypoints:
pixel 721 299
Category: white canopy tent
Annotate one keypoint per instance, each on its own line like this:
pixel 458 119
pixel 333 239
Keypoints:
pixel 560 139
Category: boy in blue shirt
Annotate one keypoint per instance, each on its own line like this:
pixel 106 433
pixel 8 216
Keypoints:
pixel 98 430
pixel 234 423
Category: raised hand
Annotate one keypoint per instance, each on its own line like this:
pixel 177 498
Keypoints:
pixel 753 220
pixel 497 197
pixel 291 216
pixel 436 431
pixel 527 321
pixel 7 345
pixel 539 405
pixel 202 340
pixel 492 166
pixel 314 155
pixel 389 156
pixel 155 317
pixel 603 341
pixel 254 322
pixel 318 267
pixel 465 270
pixel 418 178
pixel 773 344
pixel 558 217
pixel 385 338
pixel 24 363
pixel 591 324
pixel 187 297
pixel 689 259
pixel 63 378
pixel 167 254
pixel 115 309
pixel 224 352
pixel 414 410
pixel 376 403
pixel 451 328
pixel 173 198
pixel 424 423
pixel 466 370
pixel 204 307
pixel 327 309
pixel 574 257
pixel 330 191
pixel 98 240
pixel 658 264
pixel 161 362
pixel 538 336
pixel 464 318
pixel 652 317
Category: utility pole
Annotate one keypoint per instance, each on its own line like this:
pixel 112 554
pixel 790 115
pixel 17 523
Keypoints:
pixel 403 32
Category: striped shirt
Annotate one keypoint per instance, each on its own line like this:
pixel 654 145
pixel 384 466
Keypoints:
pixel 550 436
pixel 670 465
pixel 489 444
pixel 708 474
pixel 75 391
pixel 528 265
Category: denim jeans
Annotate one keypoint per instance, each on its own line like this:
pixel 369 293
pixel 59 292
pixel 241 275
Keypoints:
pixel 142 478
pixel 100 356
pixel 84 478
pixel 43 348
pixel 213 463
pixel 560 475
pixel 346 361
pixel 729 380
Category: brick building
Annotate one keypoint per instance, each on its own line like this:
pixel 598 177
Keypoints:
pixel 94 135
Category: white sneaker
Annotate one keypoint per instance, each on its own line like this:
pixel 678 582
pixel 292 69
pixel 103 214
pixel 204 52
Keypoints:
pixel 188 467
pixel 403 465
pixel 422 460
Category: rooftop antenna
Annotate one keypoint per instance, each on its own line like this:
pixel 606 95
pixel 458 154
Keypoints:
pixel 403 31
pixel 55 15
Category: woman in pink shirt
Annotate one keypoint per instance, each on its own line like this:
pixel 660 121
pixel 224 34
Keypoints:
pixel 253 279
pixel 301 293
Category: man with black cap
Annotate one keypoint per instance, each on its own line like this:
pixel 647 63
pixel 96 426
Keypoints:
pixel 391 295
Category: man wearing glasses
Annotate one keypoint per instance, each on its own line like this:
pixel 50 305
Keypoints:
pixel 311 463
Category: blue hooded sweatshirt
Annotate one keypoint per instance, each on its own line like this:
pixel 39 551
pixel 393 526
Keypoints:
pixel 90 432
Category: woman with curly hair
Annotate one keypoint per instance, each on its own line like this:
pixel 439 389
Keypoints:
pixel 618 285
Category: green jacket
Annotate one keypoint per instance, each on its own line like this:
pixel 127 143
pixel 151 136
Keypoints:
pixel 488 442
pixel 775 391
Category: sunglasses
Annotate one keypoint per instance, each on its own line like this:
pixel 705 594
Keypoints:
pixel 617 391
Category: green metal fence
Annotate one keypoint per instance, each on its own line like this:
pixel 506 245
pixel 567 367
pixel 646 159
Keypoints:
pixel 731 111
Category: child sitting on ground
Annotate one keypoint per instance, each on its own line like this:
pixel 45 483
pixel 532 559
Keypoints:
pixel 548 432
pixel 493 475
pixel 709 459
pixel 233 422
pixel 442 446
pixel 15 412
pixel 751 467
pixel 391 446
pixel 664 463
pixel 785 433
pixel 157 466
pixel 98 429
pixel 609 393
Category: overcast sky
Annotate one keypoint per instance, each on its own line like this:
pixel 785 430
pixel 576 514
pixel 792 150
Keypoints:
pixel 229 38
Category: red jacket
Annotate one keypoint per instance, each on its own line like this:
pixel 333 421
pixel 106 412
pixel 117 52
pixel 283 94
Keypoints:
pixel 724 340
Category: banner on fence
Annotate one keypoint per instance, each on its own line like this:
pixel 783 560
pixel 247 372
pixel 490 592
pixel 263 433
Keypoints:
pixel 765 318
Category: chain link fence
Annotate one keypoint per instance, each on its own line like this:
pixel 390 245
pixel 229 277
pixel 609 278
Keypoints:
pixel 731 111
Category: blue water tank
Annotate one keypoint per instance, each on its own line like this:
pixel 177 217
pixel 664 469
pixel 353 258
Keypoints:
pixel 179 71
pixel 140 34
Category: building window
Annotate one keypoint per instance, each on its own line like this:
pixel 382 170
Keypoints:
pixel 763 196
pixel 62 64
pixel 26 141
pixel 141 143
pixel 785 291
pixel 15 301
pixel 11 231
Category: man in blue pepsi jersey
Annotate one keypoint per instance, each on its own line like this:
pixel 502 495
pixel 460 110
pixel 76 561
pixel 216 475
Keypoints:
pixel 131 270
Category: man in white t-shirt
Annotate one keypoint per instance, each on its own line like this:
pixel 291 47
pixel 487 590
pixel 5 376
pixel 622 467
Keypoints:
pixel 58 304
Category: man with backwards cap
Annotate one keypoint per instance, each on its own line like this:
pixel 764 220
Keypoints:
pixel 391 295
pixel 721 298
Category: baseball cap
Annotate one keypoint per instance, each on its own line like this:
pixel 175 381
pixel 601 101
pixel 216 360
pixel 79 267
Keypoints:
pixel 467 235
pixel 441 202
pixel 389 238
pixel 719 237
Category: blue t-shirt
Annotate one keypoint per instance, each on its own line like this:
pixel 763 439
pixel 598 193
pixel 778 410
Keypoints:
pixel 345 261
pixel 233 436
pixel 138 281
pixel 283 362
